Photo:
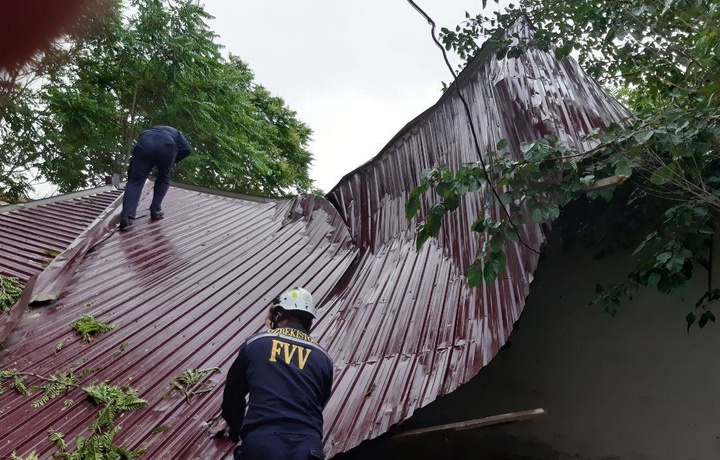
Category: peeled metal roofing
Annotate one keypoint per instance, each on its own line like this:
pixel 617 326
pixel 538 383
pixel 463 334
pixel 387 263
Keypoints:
pixel 402 326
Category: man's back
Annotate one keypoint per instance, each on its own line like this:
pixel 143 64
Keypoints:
pixel 288 377
pixel 158 135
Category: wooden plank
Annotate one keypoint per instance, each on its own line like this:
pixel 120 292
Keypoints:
pixel 600 184
pixel 511 417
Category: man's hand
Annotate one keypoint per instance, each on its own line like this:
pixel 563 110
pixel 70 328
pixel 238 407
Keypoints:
pixel 234 435
pixel 221 432
pixel 225 431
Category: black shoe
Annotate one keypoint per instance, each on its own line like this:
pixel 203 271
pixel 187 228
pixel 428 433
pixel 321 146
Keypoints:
pixel 124 223
pixel 156 215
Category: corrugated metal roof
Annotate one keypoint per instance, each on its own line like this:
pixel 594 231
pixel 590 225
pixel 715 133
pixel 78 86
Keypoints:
pixel 407 326
pixel 32 234
pixel 183 292
pixel 402 326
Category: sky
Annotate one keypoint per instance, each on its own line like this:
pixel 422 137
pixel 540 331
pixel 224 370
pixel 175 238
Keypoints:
pixel 354 72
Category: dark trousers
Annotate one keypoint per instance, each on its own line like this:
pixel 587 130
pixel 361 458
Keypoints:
pixel 279 446
pixel 146 154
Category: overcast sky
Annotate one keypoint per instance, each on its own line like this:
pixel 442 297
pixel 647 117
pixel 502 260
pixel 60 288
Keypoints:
pixel 354 71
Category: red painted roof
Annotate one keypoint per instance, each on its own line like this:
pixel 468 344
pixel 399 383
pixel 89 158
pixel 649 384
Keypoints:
pixel 402 326
pixel 32 234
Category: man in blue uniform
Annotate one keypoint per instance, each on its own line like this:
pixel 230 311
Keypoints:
pixel 288 377
pixel 160 146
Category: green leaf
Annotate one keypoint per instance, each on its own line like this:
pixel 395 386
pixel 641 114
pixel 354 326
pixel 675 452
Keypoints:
pixel 705 317
pixel 10 287
pixel 444 189
pixel 474 274
pixel 422 236
pixel 451 203
pixel 553 211
pixel 663 257
pixel 496 242
pixel 653 279
pixel 536 211
pixel 647 239
pixel 494 266
pixel 709 88
pixel 563 51
pixel 512 235
pixel 413 203
pixel 587 180
pixel 437 210
pixel 412 206
pixel 623 168
pixel 479 225
pixel 643 136
pixel 664 174
pixel 501 145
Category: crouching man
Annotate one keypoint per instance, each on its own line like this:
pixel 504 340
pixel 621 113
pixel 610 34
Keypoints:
pixel 288 377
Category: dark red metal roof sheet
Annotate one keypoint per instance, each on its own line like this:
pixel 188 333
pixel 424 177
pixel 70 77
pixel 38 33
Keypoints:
pixel 402 326
pixel 32 234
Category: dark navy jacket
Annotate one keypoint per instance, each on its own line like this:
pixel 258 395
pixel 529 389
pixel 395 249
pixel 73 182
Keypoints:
pixel 157 136
pixel 288 377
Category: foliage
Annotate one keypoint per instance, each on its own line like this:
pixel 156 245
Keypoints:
pixel 661 59
pixel 56 386
pixel 31 456
pixel 160 429
pixel 112 401
pixel 120 349
pixel 143 63
pixel 87 326
pixel 184 382
pixel 19 139
pixel 53 386
pixel 96 446
pixel 10 290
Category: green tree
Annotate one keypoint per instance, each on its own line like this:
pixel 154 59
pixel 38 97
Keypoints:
pixel 20 143
pixel 662 59
pixel 154 62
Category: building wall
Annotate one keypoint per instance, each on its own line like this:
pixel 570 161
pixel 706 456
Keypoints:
pixel 636 386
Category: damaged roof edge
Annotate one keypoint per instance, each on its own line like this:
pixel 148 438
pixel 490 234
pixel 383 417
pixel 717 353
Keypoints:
pixel 470 69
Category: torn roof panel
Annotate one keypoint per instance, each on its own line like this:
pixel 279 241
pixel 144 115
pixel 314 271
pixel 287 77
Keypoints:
pixel 401 325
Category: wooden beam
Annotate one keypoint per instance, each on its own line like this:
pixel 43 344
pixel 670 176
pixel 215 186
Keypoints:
pixel 511 417
pixel 600 184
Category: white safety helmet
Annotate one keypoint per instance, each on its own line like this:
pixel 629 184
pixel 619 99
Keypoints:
pixel 297 299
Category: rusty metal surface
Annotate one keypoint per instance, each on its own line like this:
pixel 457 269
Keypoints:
pixel 402 326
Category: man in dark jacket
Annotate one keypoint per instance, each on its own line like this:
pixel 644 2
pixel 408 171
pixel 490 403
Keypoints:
pixel 288 377
pixel 160 146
